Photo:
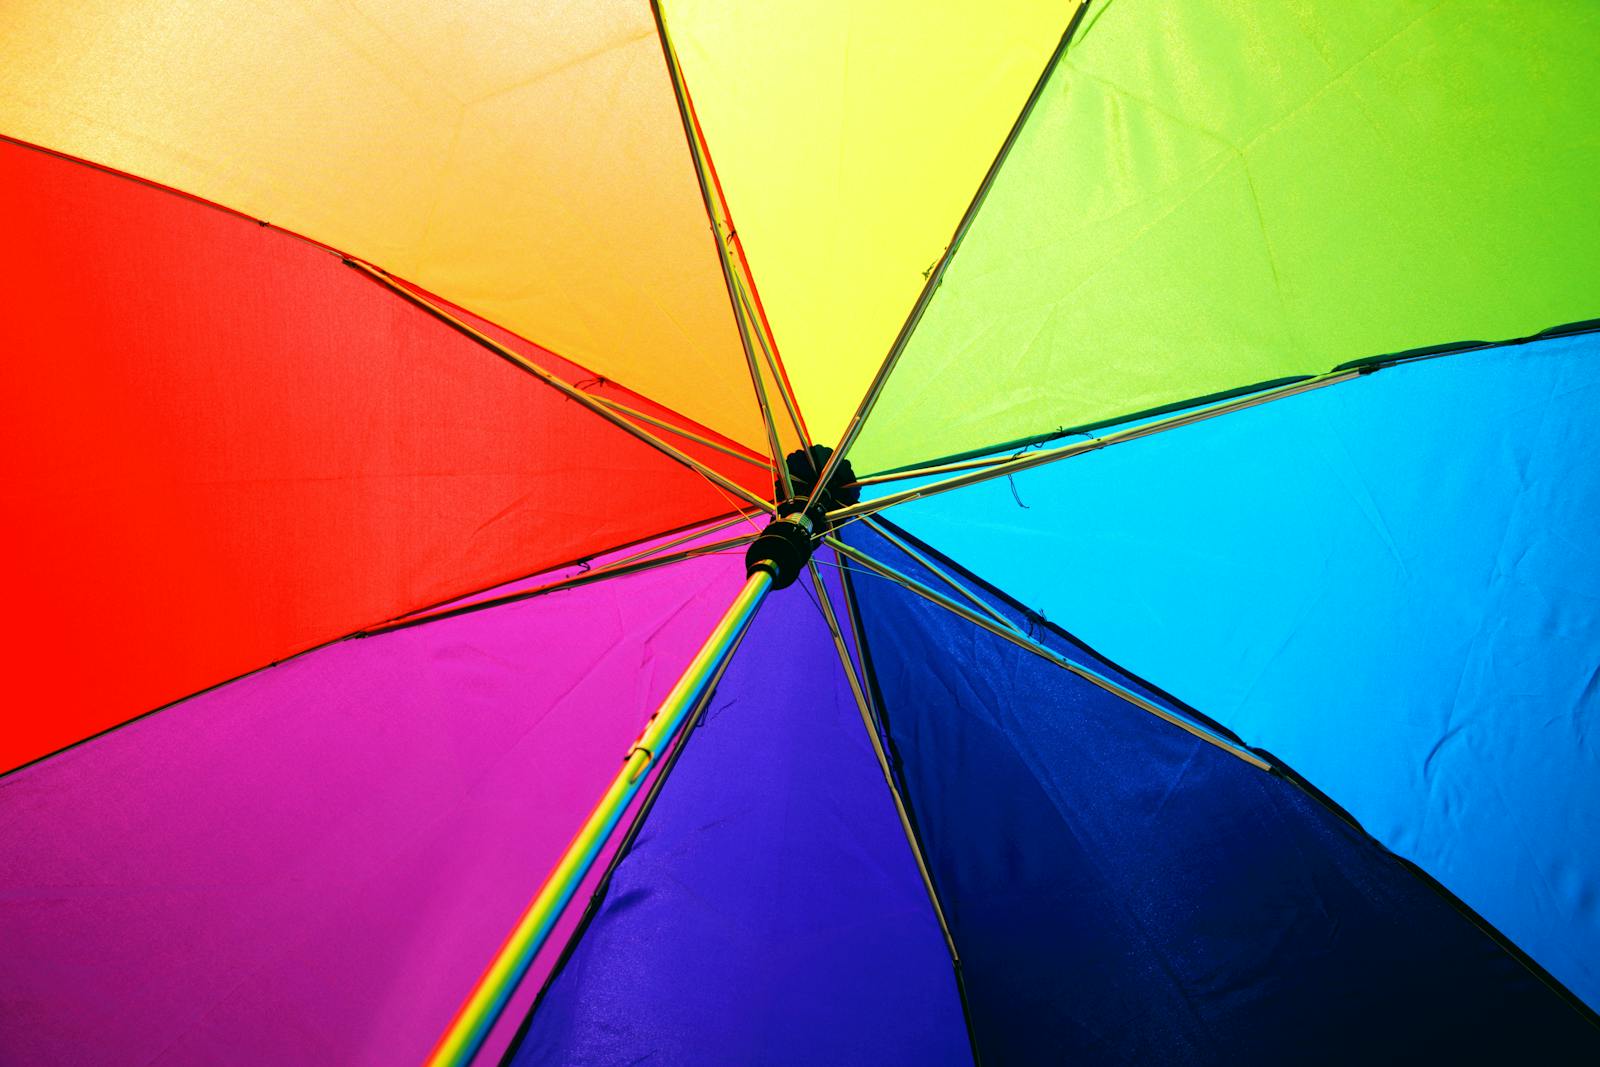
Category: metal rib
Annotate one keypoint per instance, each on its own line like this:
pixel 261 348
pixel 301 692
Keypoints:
pixel 905 546
pixel 936 274
pixel 869 719
pixel 1022 641
pixel 566 389
pixel 932 469
pixel 630 565
pixel 699 439
pixel 790 404
pixel 1039 459
pixel 691 134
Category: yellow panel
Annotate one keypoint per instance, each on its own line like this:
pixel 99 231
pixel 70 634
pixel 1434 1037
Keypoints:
pixel 524 160
pixel 850 138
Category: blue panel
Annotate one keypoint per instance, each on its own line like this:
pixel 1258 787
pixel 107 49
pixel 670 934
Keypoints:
pixel 1392 583
pixel 770 911
pixel 1123 893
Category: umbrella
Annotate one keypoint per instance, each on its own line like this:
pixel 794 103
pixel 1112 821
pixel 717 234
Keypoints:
pixel 1005 533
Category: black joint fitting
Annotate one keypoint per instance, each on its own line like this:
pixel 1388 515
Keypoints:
pixel 840 491
pixel 785 546
pixel 782 550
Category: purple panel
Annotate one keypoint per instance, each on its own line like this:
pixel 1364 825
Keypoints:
pixel 313 864
pixel 770 911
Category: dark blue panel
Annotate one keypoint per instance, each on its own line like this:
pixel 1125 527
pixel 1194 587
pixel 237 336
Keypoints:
pixel 1392 583
pixel 1121 892
pixel 770 911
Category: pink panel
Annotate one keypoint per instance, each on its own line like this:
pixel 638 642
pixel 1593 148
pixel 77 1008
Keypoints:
pixel 312 864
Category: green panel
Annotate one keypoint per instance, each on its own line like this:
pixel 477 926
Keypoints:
pixel 1213 195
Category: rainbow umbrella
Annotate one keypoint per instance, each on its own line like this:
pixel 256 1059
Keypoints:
pixel 1089 602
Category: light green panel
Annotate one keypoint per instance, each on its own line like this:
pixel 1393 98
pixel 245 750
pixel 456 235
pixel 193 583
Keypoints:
pixel 1214 195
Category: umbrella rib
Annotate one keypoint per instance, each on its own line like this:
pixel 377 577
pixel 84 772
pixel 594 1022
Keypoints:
pixel 869 719
pixel 641 547
pixel 876 730
pixel 355 634
pixel 943 575
pixel 931 469
pixel 770 359
pixel 744 277
pixel 872 721
pixel 628 565
pixel 936 273
pixel 386 279
pixel 690 133
pixel 745 284
pixel 983 470
pixel 566 389
pixel 1026 643
pixel 700 439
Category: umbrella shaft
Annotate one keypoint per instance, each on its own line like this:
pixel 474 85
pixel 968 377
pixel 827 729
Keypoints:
pixel 488 999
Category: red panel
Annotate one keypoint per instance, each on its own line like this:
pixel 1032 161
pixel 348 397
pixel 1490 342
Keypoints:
pixel 222 446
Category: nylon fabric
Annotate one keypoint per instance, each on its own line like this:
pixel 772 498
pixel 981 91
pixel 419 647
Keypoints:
pixel 523 160
pixel 1389 582
pixel 1122 892
pixel 221 447
pixel 312 865
pixel 850 138
pixel 1214 195
pixel 770 911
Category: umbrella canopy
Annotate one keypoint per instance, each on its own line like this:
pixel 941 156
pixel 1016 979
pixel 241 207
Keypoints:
pixel 1000 533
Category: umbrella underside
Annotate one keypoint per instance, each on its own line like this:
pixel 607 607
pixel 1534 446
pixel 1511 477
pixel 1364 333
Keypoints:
pixel 1197 658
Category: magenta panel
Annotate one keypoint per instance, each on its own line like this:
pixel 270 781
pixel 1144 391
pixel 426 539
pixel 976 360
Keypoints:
pixel 312 864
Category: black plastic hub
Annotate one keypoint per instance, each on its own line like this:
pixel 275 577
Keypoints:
pixel 786 544
pixel 803 471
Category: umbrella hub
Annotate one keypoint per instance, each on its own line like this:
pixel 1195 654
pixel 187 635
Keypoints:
pixel 785 546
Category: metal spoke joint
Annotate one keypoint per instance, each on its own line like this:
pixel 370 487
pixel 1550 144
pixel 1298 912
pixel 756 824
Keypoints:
pixel 785 546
